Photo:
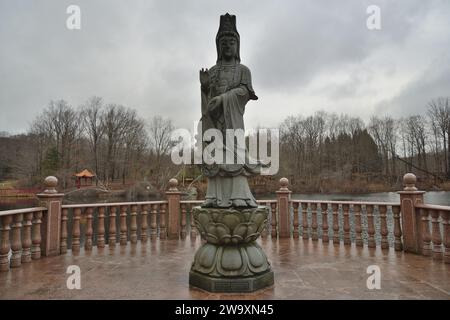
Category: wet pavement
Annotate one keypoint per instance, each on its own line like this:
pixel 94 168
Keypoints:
pixel 303 269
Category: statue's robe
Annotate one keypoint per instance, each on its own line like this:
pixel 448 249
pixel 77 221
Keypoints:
pixel 227 182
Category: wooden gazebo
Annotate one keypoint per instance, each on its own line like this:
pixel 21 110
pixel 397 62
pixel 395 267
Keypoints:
pixel 84 178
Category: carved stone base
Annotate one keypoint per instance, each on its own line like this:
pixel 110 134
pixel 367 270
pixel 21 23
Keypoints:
pixel 247 284
pixel 230 260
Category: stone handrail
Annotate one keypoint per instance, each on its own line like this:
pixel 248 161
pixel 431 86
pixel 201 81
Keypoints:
pixel 21 211
pixel 432 207
pixel 111 204
pixel 372 203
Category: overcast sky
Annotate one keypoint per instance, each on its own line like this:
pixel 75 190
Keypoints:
pixel 304 56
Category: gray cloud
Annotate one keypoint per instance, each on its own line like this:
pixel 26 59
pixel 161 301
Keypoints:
pixel 146 55
pixel 413 99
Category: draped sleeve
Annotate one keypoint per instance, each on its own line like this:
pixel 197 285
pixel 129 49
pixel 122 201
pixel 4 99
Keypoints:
pixel 246 80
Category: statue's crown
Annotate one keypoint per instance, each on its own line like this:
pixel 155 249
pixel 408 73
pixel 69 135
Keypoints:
pixel 227 26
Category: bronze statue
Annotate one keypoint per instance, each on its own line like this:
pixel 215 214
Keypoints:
pixel 226 88
pixel 229 220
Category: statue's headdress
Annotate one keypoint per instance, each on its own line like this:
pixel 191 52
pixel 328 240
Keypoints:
pixel 227 27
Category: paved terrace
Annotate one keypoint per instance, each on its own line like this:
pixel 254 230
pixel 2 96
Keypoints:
pixel 304 269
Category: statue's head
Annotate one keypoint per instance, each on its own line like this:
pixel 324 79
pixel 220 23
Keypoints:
pixel 227 39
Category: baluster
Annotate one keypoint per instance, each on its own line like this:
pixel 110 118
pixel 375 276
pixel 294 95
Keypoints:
pixel 64 218
pixel 183 221
pixel 133 224
pixel 314 221
pixel 112 227
pixel 162 222
pixel 358 226
pixel 384 229
pixel 446 224
pixel 305 226
pixel 265 232
pixel 16 245
pixel 426 237
pixel 347 240
pixel 188 218
pixel 26 237
pixel 101 228
pixel 144 224
pixel 336 238
pixel 76 230
pixel 324 211
pixel 268 223
pixel 273 222
pixel 89 230
pixel 123 226
pixel 5 245
pixel 192 223
pixel 397 229
pixel 370 227
pixel 437 241
pixel 36 236
pixel 295 233
pixel 153 226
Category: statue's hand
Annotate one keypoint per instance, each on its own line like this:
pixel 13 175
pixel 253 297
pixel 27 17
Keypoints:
pixel 204 77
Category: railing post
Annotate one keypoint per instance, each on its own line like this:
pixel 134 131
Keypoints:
pixel 283 199
pixel 173 215
pixel 411 221
pixel 446 223
pixel 51 221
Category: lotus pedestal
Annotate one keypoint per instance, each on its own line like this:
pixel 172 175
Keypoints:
pixel 230 260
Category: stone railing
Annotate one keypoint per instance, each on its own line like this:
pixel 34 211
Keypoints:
pixel 111 224
pixel 20 236
pixel 434 235
pixel 372 224
pixel 54 228
pixel 363 223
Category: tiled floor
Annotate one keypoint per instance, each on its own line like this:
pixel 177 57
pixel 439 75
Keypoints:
pixel 159 270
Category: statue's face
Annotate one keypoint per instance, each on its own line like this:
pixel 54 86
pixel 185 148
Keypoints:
pixel 228 47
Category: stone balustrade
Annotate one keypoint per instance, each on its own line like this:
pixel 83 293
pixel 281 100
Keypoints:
pixel 111 224
pixel 434 229
pixel 54 228
pixel 362 223
pixel 20 236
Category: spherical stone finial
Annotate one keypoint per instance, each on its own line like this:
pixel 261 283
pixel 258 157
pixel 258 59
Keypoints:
pixel 50 184
pixel 173 183
pixel 409 181
pixel 284 182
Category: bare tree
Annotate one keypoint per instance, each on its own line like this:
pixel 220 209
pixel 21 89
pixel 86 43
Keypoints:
pixel 439 114
pixel 417 132
pixel 114 122
pixel 383 131
pixel 160 130
pixel 92 112
pixel 60 126
pixel 134 143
